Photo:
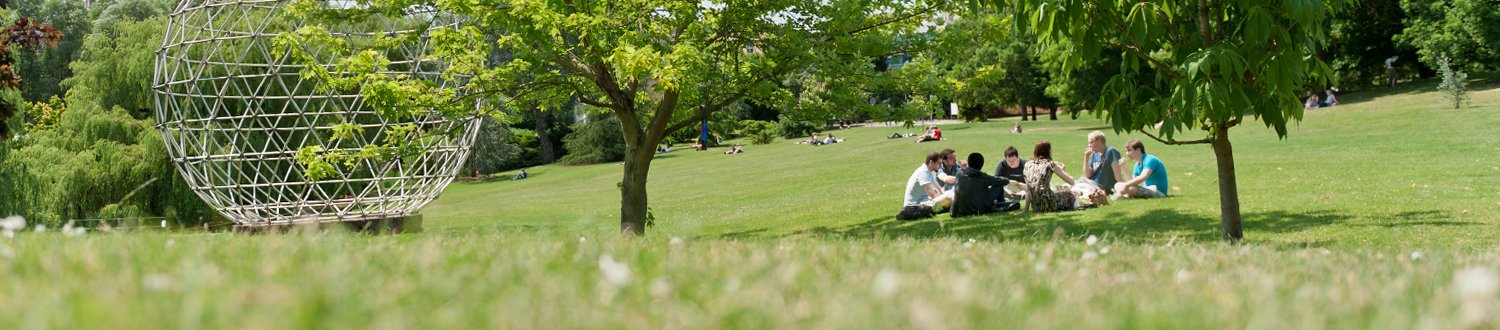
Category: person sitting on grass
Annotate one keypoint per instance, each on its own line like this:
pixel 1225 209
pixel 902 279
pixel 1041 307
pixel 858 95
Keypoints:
pixel 933 134
pixel 1013 169
pixel 1148 180
pixel 814 140
pixel 519 176
pixel 661 149
pixel 1040 196
pixel 975 193
pixel 923 195
pixel 1101 163
pixel 735 149
pixel 831 139
pixel 948 170
pixel 1016 130
pixel 1330 100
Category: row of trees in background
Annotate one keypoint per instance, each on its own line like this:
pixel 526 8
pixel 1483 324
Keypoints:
pixel 84 146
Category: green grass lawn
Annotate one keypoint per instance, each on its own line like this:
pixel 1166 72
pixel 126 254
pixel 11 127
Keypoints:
pixel 1380 213
pixel 1393 170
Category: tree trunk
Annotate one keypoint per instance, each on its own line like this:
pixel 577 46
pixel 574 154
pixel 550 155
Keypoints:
pixel 1229 195
pixel 540 117
pixel 1054 113
pixel 1023 112
pixel 633 190
pixel 1033 112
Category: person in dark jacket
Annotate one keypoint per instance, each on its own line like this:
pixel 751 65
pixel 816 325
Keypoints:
pixel 973 197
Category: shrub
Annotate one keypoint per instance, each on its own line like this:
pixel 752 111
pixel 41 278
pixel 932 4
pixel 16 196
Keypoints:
pixel 758 131
pixel 791 128
pixel 597 140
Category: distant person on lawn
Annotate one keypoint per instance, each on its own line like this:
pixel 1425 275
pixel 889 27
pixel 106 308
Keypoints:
pixel 974 194
pixel 923 194
pixel 519 176
pixel 1040 196
pixel 1330 100
pixel 933 134
pixel 1148 180
pixel 1101 163
pixel 735 149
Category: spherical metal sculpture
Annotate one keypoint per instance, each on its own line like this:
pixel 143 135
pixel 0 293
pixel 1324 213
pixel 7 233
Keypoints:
pixel 234 112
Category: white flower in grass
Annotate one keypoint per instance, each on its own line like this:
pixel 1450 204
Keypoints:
pixel 39 228
pixel 969 243
pixel 676 241
pixel 70 231
pixel 1104 250
pixel 1090 255
pixel 660 288
pixel 157 282
pixel 1416 255
pixel 1092 240
pixel 615 273
pixel 1475 288
pixel 10 224
pixel 1183 275
pixel 582 239
pixel 886 283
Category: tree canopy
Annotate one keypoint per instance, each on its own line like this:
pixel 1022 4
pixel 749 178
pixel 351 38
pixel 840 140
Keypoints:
pixel 657 66
pixel 1193 66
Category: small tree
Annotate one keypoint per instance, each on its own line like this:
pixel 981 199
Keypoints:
pixel 1206 65
pixel 1455 86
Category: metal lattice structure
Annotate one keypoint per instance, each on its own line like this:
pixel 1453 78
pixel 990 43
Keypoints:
pixel 233 112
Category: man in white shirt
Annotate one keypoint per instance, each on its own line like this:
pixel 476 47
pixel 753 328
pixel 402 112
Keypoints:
pixel 924 195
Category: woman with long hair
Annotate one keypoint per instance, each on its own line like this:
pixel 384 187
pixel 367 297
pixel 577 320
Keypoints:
pixel 1040 196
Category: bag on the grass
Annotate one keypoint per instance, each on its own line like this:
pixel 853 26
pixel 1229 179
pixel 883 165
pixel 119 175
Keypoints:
pixel 914 212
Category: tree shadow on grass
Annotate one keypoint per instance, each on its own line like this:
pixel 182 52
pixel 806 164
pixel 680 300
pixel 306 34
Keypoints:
pixel 1153 225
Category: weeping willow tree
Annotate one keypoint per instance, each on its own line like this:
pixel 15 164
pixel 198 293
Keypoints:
pixel 93 155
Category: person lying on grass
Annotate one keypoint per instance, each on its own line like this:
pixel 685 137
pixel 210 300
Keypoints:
pixel 933 134
pixel 1148 179
pixel 923 194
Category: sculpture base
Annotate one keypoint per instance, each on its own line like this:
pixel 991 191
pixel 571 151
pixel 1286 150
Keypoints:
pixel 395 225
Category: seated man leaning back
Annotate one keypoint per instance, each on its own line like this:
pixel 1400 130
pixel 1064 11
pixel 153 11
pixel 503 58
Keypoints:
pixel 924 195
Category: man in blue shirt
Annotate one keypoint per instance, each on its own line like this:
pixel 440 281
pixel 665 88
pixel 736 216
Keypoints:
pixel 1148 180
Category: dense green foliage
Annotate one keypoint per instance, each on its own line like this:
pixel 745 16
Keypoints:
pixel 44 70
pixel 116 64
pixel 759 131
pixel 1466 31
pixel 495 149
pixel 95 153
pixel 596 140
pixel 792 128
pixel 1360 39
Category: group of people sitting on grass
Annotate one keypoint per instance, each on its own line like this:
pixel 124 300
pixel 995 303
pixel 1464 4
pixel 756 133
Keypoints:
pixel 1313 102
pixel 942 183
pixel 815 141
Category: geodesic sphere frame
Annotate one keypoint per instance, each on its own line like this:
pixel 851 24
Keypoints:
pixel 233 112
